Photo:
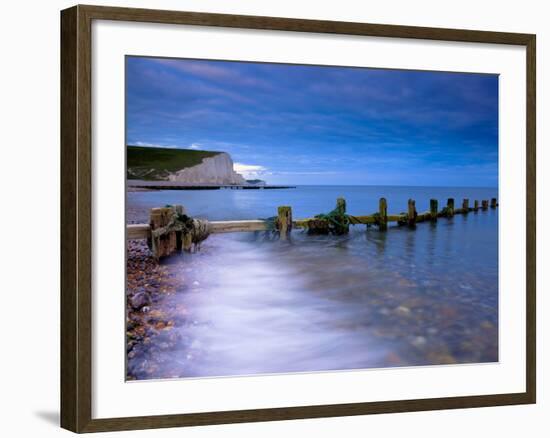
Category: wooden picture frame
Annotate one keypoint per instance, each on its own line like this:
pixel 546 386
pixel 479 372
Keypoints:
pixel 76 218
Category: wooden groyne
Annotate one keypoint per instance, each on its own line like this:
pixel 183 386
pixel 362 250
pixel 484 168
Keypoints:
pixel 170 229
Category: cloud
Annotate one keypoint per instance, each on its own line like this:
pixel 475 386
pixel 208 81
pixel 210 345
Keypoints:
pixel 213 71
pixel 318 124
pixel 155 145
pixel 199 68
pixel 249 170
pixel 328 172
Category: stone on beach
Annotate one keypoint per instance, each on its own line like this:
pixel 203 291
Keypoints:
pixel 140 300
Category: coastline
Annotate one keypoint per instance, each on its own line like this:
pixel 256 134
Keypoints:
pixel 148 283
pixel 135 185
pixel 406 287
pixel 130 188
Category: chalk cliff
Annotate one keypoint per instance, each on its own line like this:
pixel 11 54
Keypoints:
pixel 212 170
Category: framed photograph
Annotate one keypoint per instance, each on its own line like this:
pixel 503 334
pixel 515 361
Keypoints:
pixel 270 218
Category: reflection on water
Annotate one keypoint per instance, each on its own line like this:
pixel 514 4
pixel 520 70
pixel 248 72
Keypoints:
pixel 369 299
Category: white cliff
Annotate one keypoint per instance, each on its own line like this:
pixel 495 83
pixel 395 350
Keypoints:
pixel 213 170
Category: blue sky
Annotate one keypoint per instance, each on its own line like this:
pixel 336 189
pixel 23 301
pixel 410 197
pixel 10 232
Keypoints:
pixel 290 124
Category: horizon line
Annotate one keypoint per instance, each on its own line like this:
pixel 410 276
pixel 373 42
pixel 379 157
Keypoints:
pixel 382 185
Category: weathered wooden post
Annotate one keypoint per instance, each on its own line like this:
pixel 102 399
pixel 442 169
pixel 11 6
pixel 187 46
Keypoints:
pixel 180 211
pixel 411 213
pixel 493 202
pixel 341 210
pixel 383 214
pixel 187 243
pixel 484 204
pixel 433 209
pixel 341 205
pixel 465 206
pixel 476 205
pixel 166 243
pixel 186 240
pixel 450 207
pixel 284 221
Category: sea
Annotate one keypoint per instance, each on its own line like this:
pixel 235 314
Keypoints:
pixel 426 296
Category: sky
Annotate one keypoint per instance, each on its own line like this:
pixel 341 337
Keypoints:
pixel 295 124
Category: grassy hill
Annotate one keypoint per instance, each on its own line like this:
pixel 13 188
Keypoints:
pixel 154 164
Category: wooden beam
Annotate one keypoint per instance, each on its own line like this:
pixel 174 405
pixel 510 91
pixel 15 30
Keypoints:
pixel 143 231
pixel 300 223
pixel 426 216
pixel 366 219
pixel 236 226
pixel 138 231
pixel 317 226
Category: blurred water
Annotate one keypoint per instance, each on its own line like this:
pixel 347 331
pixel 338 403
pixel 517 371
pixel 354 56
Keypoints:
pixel 368 299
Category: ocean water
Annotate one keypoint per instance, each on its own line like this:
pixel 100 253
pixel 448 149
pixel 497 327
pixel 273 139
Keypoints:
pixel 369 299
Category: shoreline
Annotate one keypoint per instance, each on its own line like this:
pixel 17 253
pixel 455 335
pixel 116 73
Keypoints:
pixel 162 340
pixel 142 185
pixel 149 326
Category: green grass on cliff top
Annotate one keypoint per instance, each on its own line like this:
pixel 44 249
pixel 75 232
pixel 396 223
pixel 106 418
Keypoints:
pixel 153 163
